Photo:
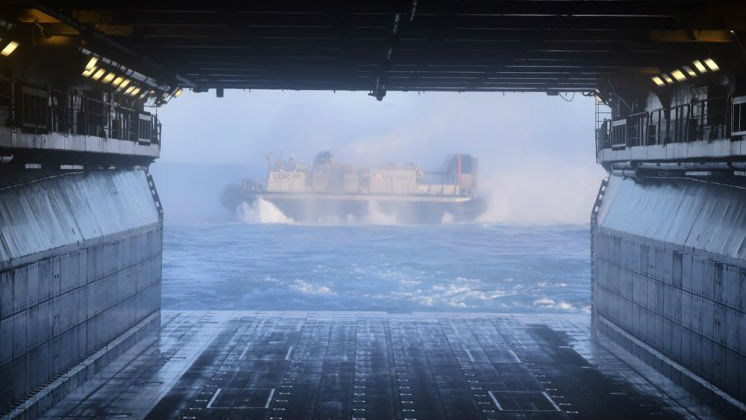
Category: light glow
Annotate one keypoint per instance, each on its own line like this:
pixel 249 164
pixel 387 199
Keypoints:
pixel 8 50
pixel 135 91
pixel 117 81
pixel 678 75
pixel 689 71
pixel 124 83
pixel 129 90
pixel 91 63
pixel 667 78
pixel 88 72
pixel 109 77
pixel 177 92
pixel 657 80
pixel 97 75
pixel 701 67
pixel 712 64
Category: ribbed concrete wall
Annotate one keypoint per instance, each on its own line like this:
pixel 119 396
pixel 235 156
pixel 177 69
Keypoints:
pixel 80 264
pixel 670 271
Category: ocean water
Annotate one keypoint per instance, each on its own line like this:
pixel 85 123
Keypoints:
pixel 451 267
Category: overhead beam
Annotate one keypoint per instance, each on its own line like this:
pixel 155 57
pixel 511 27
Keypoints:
pixel 464 45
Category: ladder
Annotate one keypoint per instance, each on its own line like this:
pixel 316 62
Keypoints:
pixel 154 193
pixel 599 200
pixel 594 225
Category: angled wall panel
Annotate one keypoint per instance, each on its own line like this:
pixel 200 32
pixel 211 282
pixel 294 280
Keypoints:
pixel 80 258
pixel 669 263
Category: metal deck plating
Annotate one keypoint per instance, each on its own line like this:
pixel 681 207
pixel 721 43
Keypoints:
pixel 369 365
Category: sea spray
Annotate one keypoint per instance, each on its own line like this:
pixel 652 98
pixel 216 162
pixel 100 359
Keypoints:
pixel 376 215
pixel 261 211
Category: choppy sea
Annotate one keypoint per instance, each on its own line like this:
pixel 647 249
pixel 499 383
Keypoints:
pixel 457 267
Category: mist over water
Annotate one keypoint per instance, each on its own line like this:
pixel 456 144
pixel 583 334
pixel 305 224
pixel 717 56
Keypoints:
pixel 527 194
pixel 536 153
pixel 536 167
pixel 377 216
pixel 261 211
pixel 521 194
pixel 456 267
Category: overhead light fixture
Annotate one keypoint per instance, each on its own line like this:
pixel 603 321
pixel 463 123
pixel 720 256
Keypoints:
pixel 97 75
pixel 178 92
pixel 684 73
pixel 701 67
pixel 689 71
pixel 678 75
pixel 9 48
pixel 712 64
pixel 657 80
pixel 111 73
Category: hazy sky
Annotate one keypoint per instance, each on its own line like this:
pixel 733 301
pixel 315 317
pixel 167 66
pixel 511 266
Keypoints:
pixel 536 152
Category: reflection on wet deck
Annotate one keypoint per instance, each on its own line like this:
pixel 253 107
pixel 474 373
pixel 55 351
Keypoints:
pixel 368 365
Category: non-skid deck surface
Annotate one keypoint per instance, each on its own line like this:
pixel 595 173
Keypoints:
pixel 368 365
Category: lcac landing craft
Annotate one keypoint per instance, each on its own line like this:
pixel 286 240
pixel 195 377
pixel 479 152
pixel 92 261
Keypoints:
pixel 336 191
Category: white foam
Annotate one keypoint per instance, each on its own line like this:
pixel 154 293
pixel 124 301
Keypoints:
pixel 548 303
pixel 261 211
pixel 376 216
pixel 312 289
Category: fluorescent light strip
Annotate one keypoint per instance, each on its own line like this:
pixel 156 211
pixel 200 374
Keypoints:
pixel 678 75
pixel 91 63
pixel 698 64
pixel 8 50
pixel 689 71
pixel 97 75
pixel 657 80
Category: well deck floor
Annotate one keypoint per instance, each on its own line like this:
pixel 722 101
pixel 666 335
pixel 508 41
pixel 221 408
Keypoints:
pixel 368 365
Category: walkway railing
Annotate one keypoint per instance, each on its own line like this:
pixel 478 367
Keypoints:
pixel 38 109
pixel 702 120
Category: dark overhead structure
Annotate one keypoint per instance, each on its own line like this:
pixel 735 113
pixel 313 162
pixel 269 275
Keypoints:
pixel 376 46
pixel 81 222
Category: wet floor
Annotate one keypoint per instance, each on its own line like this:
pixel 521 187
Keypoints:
pixel 368 365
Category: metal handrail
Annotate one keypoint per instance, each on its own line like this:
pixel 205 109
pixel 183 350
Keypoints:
pixel 78 114
pixel 696 121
